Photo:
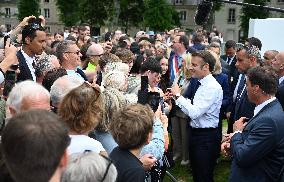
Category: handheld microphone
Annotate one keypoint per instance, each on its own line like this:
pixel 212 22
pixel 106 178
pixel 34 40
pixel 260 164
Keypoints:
pixel 203 12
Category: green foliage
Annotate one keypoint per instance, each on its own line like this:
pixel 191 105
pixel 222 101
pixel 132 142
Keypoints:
pixel 28 8
pixel 131 13
pixel 95 12
pixel 69 11
pixel 159 15
pixel 252 12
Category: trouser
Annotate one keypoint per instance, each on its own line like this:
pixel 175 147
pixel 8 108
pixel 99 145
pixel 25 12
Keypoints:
pixel 203 149
pixel 180 135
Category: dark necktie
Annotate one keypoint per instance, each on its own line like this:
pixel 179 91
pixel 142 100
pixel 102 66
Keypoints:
pixel 80 72
pixel 241 87
pixel 194 90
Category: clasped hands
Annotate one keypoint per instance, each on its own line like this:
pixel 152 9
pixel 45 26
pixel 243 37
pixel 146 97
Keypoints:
pixel 237 128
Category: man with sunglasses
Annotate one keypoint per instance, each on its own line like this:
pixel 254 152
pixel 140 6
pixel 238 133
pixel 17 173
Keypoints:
pixel 69 56
pixel 33 37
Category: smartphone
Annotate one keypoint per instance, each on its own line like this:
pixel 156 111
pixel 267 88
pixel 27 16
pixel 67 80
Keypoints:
pixel 5 40
pixel 162 104
pixel 10 81
pixel 144 83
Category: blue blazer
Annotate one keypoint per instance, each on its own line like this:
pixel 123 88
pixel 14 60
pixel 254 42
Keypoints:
pixel 243 107
pixel 258 152
pixel 280 94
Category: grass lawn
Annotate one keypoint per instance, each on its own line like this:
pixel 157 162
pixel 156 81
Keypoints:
pixel 221 174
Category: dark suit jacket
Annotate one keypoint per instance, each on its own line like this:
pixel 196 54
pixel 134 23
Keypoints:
pixel 243 107
pixel 280 94
pixel 222 79
pixel 25 73
pixel 225 68
pixel 234 73
pixel 258 152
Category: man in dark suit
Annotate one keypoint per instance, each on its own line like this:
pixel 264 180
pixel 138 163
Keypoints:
pixel 247 57
pixel 257 147
pixel 33 36
pixel 180 47
pixel 278 65
pixel 231 59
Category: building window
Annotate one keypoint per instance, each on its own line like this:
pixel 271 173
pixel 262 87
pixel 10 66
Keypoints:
pixel 280 1
pixel 47 29
pixel 8 27
pixel 46 1
pixel 232 16
pixel 7 12
pixel 182 15
pixel 46 13
pixel 178 1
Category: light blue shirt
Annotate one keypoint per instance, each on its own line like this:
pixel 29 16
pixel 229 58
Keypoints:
pixel 204 112
pixel 75 74
pixel 156 145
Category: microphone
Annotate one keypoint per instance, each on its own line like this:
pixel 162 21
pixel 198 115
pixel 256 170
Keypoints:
pixel 203 12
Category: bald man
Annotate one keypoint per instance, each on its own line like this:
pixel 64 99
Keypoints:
pixel 94 52
pixel 268 56
pixel 278 65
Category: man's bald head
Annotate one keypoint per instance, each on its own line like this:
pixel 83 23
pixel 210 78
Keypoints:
pixel 278 63
pixel 95 50
pixel 268 56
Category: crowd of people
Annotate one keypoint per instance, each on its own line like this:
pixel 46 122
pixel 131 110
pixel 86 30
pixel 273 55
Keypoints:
pixel 115 101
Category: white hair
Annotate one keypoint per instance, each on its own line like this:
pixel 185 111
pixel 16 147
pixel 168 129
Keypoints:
pixel 89 166
pixel 23 90
pixel 63 86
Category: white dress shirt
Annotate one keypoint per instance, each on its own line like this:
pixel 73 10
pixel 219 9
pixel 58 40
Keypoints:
pixel 2 77
pixel 260 106
pixel 29 61
pixel 281 79
pixel 204 112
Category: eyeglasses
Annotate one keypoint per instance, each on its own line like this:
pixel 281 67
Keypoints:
pixel 77 52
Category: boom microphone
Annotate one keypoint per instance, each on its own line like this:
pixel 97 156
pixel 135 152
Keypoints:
pixel 203 12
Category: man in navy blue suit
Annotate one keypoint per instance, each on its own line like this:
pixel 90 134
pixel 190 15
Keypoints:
pixel 278 65
pixel 247 57
pixel 33 36
pixel 257 146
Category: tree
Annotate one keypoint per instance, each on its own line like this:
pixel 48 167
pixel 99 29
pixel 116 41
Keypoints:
pixel 159 15
pixel 216 7
pixel 249 12
pixel 69 11
pixel 96 12
pixel 131 13
pixel 28 8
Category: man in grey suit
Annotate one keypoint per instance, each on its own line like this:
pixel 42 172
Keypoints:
pixel 257 146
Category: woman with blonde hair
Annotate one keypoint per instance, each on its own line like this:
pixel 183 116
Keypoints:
pixel 179 119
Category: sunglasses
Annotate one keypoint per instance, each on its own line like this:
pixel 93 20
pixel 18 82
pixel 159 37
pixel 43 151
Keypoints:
pixel 77 52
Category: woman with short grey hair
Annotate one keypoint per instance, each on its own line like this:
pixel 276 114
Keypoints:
pixel 89 166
